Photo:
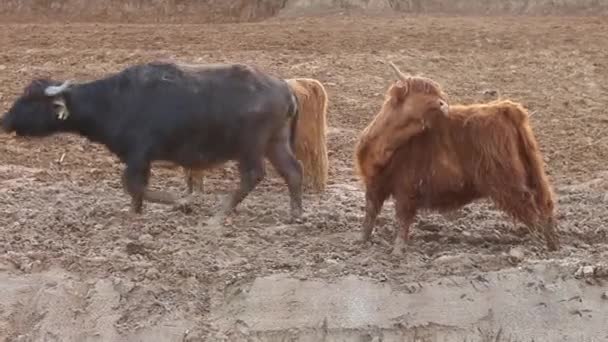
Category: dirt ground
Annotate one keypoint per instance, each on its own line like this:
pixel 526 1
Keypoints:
pixel 65 216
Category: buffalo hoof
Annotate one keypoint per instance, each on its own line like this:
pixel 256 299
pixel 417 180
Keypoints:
pixel 553 245
pixel 296 214
pixel 134 213
pixel 131 215
pixel 184 205
pixel 136 208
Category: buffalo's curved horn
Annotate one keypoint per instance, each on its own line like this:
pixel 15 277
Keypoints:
pixel 398 72
pixel 56 90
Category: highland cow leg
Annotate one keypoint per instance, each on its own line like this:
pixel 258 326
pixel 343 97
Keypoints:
pixel 194 177
pixel 289 168
pixel 374 200
pixel 551 236
pixel 189 181
pixel 405 214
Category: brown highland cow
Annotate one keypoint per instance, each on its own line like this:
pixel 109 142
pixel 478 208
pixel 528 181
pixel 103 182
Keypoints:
pixel 431 156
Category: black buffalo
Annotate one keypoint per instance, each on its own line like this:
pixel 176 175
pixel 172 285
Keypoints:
pixel 195 116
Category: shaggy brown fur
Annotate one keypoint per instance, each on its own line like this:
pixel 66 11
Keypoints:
pixel 477 151
pixel 311 141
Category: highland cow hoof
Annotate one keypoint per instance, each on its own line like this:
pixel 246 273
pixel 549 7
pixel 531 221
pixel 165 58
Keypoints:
pixel 217 221
pixel 551 237
pixel 365 237
pixel 397 251
pixel 552 243
pixel 398 245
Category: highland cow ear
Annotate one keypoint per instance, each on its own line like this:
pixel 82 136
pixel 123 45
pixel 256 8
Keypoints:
pixel 399 91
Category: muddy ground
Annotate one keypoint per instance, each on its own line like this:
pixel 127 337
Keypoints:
pixel 76 266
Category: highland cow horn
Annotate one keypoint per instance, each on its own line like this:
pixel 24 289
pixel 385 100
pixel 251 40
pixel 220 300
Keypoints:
pixel 398 72
pixel 56 90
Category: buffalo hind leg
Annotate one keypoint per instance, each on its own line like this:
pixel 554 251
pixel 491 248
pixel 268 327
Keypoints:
pixel 404 214
pixel 251 173
pixel 135 181
pixel 289 168
pixel 374 200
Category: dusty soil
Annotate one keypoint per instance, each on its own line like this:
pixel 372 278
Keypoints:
pixel 65 226
pixel 222 11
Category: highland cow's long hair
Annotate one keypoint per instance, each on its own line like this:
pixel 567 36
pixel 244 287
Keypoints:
pixel 445 162
pixel 311 136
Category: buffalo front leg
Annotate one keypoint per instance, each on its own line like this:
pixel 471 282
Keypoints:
pixel 135 181
pixel 374 200
pixel 252 173
pixel 289 168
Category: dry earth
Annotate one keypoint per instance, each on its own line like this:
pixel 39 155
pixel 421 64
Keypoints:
pixel 74 266
pixel 222 11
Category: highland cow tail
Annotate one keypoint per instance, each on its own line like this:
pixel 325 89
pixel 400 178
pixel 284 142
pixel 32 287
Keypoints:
pixel 310 130
pixel 537 178
pixel 321 94
pixel 538 182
